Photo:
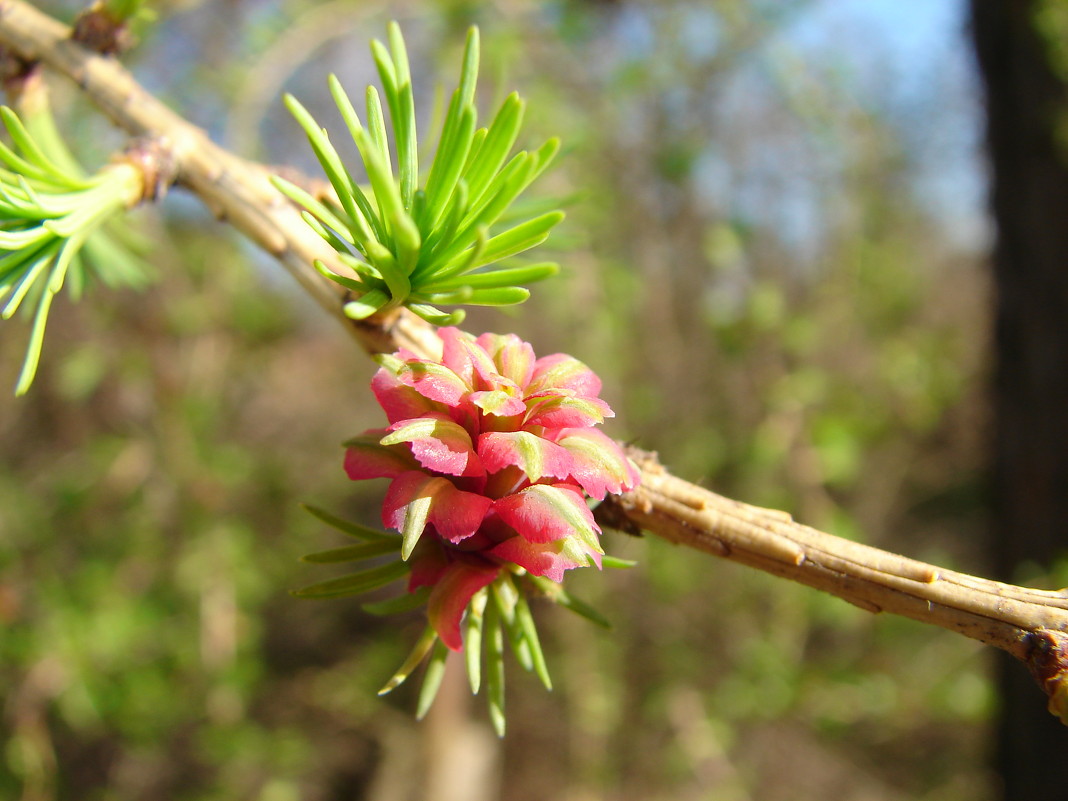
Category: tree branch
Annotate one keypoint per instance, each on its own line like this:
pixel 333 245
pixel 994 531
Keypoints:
pixel 1028 623
pixel 235 190
pixel 1002 615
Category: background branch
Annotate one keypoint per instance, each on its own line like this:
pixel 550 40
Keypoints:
pixel 1026 623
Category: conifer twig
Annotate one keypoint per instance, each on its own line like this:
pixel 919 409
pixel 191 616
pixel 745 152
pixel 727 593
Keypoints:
pixel 1030 624
pixel 235 190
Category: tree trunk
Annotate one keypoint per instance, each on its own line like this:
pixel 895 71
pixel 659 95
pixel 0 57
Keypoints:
pixel 1025 100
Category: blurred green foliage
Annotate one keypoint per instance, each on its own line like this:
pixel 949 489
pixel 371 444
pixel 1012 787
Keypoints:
pixel 150 487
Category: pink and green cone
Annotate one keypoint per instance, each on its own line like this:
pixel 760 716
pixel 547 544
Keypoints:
pixel 492 455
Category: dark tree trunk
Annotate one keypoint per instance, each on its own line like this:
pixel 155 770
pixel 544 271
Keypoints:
pixel 1025 98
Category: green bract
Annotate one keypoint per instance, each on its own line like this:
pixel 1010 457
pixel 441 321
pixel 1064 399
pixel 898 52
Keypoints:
pixel 424 246
pixel 50 217
pixel 498 612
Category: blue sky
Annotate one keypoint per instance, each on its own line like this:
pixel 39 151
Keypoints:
pixel 913 60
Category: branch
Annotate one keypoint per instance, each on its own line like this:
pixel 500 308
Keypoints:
pixel 1030 624
pixel 1002 615
pixel 235 190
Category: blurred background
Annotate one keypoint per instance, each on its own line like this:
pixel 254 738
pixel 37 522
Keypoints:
pixel 776 257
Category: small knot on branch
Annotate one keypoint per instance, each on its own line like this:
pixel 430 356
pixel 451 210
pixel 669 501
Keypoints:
pixel 377 332
pixel 154 159
pixel 15 73
pixel 96 29
pixel 1047 658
